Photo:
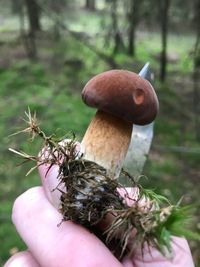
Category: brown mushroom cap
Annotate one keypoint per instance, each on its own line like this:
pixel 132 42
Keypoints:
pixel 124 94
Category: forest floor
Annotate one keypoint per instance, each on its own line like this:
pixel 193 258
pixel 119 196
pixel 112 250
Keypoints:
pixel 51 86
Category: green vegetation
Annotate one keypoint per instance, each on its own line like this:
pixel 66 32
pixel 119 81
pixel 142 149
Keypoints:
pixel 51 86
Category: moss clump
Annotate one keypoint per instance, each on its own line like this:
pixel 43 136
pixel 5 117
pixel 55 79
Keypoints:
pixel 90 193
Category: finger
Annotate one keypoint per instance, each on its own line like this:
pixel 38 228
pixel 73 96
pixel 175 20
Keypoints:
pixel 22 259
pixel 181 256
pixel 130 195
pixel 50 177
pixel 151 257
pixel 50 182
pixel 69 244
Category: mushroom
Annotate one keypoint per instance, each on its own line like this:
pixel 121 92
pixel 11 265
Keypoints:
pixel 122 98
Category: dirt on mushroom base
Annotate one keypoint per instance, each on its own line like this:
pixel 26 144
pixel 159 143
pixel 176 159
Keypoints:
pixel 90 195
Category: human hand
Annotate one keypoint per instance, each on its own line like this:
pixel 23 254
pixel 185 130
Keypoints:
pixel 36 217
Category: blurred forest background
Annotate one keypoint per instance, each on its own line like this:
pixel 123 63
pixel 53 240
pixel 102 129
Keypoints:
pixel 50 49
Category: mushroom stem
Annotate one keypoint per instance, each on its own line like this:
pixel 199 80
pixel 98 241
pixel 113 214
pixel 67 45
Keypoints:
pixel 106 142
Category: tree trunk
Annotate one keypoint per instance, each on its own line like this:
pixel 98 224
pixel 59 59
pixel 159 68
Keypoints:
pixel 196 75
pixel 16 6
pixel 196 101
pixel 33 12
pixel 164 11
pixel 90 5
pixel 133 20
pixel 118 41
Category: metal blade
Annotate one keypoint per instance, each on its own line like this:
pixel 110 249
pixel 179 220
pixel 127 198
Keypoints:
pixel 146 73
pixel 140 140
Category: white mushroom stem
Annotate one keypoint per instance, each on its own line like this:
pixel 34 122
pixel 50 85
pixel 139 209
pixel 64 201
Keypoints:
pixel 106 142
